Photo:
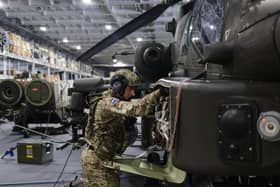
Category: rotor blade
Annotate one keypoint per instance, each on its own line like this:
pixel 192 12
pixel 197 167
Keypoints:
pixel 128 28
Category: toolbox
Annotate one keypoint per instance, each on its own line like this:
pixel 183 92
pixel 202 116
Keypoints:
pixel 34 152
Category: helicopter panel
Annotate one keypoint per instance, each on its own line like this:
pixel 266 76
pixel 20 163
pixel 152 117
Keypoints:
pixel 258 11
pixel 217 130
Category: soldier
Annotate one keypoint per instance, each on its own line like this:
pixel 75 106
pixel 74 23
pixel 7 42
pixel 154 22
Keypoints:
pixel 106 133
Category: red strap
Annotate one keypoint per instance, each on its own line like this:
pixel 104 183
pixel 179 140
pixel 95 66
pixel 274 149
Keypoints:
pixel 178 102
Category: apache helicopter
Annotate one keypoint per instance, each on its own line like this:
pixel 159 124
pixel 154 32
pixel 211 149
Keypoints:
pixel 221 121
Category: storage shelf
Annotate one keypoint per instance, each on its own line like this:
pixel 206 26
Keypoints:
pixel 35 61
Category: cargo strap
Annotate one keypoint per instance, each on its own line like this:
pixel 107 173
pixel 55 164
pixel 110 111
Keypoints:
pixel 178 103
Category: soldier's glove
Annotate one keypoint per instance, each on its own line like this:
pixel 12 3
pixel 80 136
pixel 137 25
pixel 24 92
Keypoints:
pixel 164 92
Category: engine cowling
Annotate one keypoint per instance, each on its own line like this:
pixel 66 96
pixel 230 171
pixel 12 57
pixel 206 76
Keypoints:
pixel 152 61
pixel 11 92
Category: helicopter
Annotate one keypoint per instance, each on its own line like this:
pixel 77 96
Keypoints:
pixel 221 119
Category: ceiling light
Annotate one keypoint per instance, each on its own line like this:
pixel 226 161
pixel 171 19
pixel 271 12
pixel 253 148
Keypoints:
pixel 139 39
pixel 115 60
pixel 108 27
pixel 1 4
pixel 87 1
pixel 212 27
pixel 65 40
pixel 78 47
pixel 42 28
pixel 119 64
pixel 191 28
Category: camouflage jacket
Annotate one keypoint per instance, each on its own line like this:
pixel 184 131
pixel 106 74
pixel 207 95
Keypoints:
pixel 107 126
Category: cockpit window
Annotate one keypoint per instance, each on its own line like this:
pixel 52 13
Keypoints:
pixel 207 22
pixel 185 42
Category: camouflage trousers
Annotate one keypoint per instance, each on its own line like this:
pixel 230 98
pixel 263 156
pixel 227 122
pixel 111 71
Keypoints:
pixel 95 174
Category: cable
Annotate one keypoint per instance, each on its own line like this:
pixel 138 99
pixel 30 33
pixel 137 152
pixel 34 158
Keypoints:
pixel 36 132
pixel 48 122
pixel 29 183
pixel 65 164
pixel 10 152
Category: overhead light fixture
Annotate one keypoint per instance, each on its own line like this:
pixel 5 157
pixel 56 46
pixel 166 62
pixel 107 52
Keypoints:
pixel 114 59
pixel 139 39
pixel 119 64
pixel 78 47
pixel 108 27
pixel 1 4
pixel 65 40
pixel 191 28
pixel 87 1
pixel 43 28
pixel 212 27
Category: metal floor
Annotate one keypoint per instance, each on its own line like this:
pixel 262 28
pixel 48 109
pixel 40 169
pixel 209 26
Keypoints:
pixel 18 174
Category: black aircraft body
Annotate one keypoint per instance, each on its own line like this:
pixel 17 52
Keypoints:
pixel 223 73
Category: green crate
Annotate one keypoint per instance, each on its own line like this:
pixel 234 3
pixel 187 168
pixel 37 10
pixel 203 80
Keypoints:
pixel 34 152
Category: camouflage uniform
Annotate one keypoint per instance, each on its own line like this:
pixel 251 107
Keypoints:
pixel 107 135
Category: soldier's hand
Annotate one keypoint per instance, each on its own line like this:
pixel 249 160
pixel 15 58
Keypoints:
pixel 161 91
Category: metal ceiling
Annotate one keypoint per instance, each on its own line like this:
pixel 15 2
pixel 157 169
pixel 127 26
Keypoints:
pixel 83 22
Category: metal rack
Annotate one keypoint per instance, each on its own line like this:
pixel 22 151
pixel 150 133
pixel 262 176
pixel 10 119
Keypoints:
pixel 13 53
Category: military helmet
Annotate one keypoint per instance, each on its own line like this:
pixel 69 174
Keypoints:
pixel 121 79
pixel 131 78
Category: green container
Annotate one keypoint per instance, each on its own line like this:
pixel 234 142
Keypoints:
pixel 34 152
pixel 39 93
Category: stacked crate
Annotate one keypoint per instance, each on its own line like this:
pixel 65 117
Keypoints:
pixel 22 50
pixel 14 43
pixel 17 45
pixel 26 49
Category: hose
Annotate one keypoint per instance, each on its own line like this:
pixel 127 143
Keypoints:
pixel 35 182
